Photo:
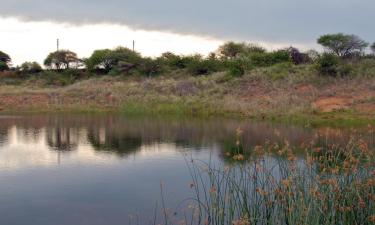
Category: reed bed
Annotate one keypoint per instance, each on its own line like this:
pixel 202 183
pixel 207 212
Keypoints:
pixel 273 185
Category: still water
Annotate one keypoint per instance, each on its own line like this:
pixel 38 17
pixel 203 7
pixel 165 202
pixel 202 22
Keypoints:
pixel 107 169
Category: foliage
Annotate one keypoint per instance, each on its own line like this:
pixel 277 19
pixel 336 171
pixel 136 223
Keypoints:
pixel 269 58
pixel 100 59
pixel 150 67
pixel 238 67
pixel 63 59
pixel 66 77
pixel 4 57
pixel 3 66
pixel 328 64
pixel 200 66
pixel 232 50
pixel 120 59
pixel 373 47
pixel 343 45
pixel 30 68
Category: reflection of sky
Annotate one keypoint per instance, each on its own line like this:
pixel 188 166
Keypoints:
pixel 22 152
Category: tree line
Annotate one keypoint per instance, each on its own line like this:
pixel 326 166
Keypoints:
pixel 236 58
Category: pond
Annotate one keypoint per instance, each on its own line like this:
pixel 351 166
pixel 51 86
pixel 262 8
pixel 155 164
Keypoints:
pixel 109 169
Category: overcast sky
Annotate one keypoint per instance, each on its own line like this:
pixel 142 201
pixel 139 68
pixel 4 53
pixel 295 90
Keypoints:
pixel 175 25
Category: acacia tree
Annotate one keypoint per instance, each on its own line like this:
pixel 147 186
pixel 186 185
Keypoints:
pixel 108 59
pixel 343 45
pixel 63 59
pixel 232 50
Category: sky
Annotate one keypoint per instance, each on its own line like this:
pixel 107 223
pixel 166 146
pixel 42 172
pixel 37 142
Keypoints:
pixel 29 28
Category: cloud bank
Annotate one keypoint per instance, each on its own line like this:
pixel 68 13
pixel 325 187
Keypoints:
pixel 293 21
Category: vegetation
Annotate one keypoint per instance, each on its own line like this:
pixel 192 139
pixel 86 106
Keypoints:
pixel 240 78
pixel 315 184
pixel 343 45
pixel 63 59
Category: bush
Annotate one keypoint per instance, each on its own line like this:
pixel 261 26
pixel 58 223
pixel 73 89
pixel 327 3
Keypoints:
pixel 204 66
pixel 30 68
pixel 238 67
pixel 269 59
pixel 328 64
pixel 150 67
pixel 60 79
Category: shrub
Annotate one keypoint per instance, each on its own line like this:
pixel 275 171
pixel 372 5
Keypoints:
pixel 269 59
pixel 200 66
pixel 328 64
pixel 238 67
pixel 150 67
pixel 30 68
pixel 59 79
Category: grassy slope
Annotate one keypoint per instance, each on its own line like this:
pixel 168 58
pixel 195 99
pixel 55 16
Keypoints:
pixel 278 92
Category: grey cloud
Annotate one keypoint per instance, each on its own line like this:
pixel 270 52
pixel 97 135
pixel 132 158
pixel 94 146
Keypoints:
pixel 294 21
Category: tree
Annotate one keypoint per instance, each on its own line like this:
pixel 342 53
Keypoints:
pixel 343 45
pixel 63 59
pixel 30 68
pixel 232 50
pixel 4 61
pixel 108 59
pixel 373 47
pixel 4 57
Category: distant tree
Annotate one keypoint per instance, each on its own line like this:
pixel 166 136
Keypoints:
pixel 373 47
pixel 108 59
pixel 30 68
pixel 63 59
pixel 100 59
pixel 4 61
pixel 232 50
pixel 343 45
pixel 4 57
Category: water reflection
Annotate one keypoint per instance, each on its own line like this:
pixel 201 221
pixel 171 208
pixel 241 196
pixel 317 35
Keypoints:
pixel 93 136
pixel 97 169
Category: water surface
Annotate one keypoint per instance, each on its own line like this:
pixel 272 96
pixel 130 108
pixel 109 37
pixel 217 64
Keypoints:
pixel 107 169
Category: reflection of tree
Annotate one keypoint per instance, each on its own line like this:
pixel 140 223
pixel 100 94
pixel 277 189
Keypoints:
pixel 106 141
pixel 62 138
pixel 3 136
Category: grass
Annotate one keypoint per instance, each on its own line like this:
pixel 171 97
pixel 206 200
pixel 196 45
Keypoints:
pixel 282 92
pixel 323 184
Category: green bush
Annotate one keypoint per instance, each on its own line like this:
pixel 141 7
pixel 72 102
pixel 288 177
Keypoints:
pixel 204 66
pixel 270 58
pixel 238 67
pixel 30 68
pixel 151 67
pixel 328 64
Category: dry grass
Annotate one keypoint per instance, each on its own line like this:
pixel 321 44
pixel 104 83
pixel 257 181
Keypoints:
pixel 273 92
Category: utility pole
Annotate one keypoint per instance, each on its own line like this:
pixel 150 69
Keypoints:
pixel 133 45
pixel 58 44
